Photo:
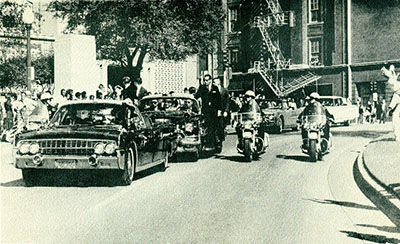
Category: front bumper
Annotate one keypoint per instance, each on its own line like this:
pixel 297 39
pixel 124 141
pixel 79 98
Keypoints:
pixel 68 162
pixel 189 143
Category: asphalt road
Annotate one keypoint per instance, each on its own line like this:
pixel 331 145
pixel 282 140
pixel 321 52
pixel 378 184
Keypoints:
pixel 281 198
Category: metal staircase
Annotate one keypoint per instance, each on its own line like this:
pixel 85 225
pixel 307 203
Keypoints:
pixel 285 90
pixel 276 18
pixel 299 83
pixel 276 53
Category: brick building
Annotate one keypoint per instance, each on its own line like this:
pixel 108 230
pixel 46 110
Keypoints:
pixel 294 47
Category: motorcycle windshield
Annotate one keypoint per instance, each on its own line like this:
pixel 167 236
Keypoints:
pixel 315 119
pixel 250 116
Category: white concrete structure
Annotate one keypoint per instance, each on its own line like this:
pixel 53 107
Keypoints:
pixel 165 76
pixel 75 65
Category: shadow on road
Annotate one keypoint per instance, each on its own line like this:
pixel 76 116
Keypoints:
pixel 371 238
pixel 301 158
pixel 14 183
pixel 389 229
pixel 235 158
pixel 359 133
pixel 341 203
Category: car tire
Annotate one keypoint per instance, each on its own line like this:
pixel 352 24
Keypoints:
pixel 128 173
pixel 30 176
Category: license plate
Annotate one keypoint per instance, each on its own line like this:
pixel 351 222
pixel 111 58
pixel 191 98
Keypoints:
pixel 247 134
pixel 65 164
pixel 313 135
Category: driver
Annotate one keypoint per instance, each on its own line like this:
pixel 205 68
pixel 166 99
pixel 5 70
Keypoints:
pixel 314 107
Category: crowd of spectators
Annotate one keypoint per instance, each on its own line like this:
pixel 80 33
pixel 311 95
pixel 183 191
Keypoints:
pixel 373 112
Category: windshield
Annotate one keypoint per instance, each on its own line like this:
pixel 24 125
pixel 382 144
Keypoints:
pixel 273 104
pixel 169 104
pixel 320 119
pixel 88 114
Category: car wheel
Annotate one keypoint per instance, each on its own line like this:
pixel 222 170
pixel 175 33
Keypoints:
pixel 129 170
pixel 164 165
pixel 279 126
pixel 30 176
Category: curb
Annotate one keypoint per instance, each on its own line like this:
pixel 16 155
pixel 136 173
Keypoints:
pixel 372 188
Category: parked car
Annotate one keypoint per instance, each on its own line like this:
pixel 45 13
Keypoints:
pixel 92 135
pixel 279 114
pixel 341 108
pixel 181 114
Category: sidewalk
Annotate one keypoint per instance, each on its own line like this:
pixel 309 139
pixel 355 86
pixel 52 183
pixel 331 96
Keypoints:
pixel 381 166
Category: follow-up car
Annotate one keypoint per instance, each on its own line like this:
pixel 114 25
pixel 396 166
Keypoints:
pixel 279 114
pixel 92 135
pixel 180 113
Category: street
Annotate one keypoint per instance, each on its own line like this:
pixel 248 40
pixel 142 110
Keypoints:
pixel 281 198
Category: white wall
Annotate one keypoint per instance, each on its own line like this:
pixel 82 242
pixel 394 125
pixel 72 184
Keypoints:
pixel 75 65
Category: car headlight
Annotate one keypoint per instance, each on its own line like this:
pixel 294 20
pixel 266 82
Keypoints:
pixel 34 148
pixel 110 148
pixel 99 148
pixel 189 127
pixel 24 148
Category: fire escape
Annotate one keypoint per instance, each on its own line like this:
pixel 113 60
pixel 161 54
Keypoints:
pixel 269 28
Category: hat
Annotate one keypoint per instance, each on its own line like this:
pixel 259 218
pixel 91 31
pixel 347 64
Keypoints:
pixel 207 75
pixel 46 96
pixel 250 94
pixel 314 95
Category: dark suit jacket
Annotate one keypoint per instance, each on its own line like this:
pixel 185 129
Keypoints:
pixel 142 92
pixel 225 100
pixel 210 100
pixel 129 92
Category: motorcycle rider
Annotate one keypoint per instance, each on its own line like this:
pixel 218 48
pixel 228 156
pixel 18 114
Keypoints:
pixel 250 105
pixel 314 107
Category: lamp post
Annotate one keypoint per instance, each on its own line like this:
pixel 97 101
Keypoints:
pixel 28 18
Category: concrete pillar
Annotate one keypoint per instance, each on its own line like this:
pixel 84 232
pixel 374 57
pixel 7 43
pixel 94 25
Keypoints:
pixel 75 65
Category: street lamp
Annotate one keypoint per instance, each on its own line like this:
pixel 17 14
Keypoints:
pixel 28 18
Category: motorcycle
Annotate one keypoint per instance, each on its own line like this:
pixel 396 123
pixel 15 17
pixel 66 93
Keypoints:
pixel 253 144
pixel 315 144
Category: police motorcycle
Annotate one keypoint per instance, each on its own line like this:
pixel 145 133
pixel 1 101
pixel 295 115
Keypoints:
pixel 314 124
pixel 252 139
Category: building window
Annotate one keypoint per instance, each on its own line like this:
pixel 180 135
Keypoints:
pixel 314 13
pixel 315 51
pixel 233 15
pixel 234 56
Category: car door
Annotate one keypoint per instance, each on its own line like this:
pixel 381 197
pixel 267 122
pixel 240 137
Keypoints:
pixel 158 140
pixel 143 136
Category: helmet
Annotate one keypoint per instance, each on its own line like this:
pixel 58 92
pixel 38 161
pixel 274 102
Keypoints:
pixel 45 96
pixel 250 94
pixel 314 95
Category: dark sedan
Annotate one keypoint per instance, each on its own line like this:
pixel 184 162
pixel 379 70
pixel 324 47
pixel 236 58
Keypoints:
pixel 92 135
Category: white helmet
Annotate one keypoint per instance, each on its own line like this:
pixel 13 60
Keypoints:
pixel 250 93
pixel 314 95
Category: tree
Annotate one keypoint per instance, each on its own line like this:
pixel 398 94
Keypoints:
pixel 13 50
pixel 129 30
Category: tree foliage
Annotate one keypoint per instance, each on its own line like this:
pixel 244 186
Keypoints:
pixel 13 50
pixel 128 30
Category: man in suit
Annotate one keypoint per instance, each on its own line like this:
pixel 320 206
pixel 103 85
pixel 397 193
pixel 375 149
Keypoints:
pixel 129 91
pixel 140 91
pixel 210 109
pixel 225 115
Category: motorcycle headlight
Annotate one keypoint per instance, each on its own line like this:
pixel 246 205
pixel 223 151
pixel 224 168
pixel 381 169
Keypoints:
pixel 99 148
pixel 189 127
pixel 24 148
pixel 110 148
pixel 34 148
